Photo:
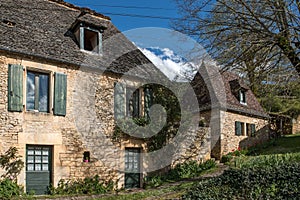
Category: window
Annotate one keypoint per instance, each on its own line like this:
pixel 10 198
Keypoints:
pixel 86 156
pixel 242 96
pixel 89 39
pixel 37 91
pixel 133 102
pixel 251 130
pixel 128 101
pixel 239 128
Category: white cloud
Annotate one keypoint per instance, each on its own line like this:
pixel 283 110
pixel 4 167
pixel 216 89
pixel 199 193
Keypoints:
pixel 172 65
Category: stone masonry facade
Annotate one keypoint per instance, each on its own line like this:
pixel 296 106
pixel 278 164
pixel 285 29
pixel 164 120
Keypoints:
pixel 223 137
pixel 87 127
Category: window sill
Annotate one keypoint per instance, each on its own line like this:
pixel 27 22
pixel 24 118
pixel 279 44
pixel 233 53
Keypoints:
pixel 36 112
pixel 91 52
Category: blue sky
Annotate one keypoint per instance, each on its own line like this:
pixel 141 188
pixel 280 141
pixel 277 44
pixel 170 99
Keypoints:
pixel 163 9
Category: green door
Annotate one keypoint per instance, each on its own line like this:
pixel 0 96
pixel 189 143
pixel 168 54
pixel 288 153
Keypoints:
pixel 38 169
pixel 132 168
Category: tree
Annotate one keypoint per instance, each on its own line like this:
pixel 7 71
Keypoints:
pixel 252 35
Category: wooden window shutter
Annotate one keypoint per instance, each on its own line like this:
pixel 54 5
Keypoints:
pixel 15 88
pixel 136 103
pixel 253 130
pixel 238 128
pixel 119 101
pixel 147 101
pixel 60 94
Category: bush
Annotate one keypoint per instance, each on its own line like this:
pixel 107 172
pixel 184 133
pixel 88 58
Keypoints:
pixel 180 171
pixel 265 161
pixel 82 186
pixel 279 182
pixel 9 189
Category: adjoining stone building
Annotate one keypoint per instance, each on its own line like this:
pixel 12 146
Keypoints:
pixel 66 73
pixel 230 109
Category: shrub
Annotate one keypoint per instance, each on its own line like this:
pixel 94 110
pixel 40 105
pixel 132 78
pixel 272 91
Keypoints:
pixel 279 182
pixel 10 161
pixel 82 186
pixel 9 189
pixel 180 171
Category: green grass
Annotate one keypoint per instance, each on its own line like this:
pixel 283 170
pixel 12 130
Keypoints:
pixel 285 144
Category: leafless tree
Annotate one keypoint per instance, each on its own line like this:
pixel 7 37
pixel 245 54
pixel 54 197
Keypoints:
pixel 254 36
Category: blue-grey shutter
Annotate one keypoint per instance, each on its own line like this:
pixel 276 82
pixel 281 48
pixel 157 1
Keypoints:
pixel 253 130
pixel 60 94
pixel 119 101
pixel 15 88
pixel 238 128
pixel 148 95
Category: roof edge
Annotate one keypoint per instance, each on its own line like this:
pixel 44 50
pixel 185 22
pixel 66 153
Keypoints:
pixel 82 9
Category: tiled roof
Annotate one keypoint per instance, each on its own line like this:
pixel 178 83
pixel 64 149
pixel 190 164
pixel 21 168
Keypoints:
pixel 42 29
pixel 232 83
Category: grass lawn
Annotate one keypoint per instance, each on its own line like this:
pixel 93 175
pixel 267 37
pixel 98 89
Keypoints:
pixel 285 144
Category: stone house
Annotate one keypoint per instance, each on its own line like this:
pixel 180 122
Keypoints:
pixel 66 74
pixel 230 109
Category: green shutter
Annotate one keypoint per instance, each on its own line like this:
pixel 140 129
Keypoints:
pixel 15 88
pixel 147 101
pixel 238 128
pixel 119 101
pixel 60 94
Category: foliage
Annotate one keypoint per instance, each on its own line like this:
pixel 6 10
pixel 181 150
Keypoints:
pixel 89 185
pixel 10 161
pixel 282 98
pixel 278 182
pixel 128 124
pixel 167 99
pixel 9 189
pixel 180 171
pixel 265 161
pixel 235 153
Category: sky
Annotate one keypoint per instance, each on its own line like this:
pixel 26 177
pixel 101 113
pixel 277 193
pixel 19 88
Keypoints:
pixel 157 13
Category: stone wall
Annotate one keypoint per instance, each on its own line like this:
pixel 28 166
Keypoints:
pixel 69 142
pixel 198 150
pixel 296 125
pixel 87 127
pixel 230 142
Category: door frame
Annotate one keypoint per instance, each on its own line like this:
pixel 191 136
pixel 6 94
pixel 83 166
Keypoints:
pixel 50 161
pixel 139 150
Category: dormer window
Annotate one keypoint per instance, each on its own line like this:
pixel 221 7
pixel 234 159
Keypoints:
pixel 89 38
pixel 242 96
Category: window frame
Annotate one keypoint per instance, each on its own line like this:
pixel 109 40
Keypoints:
pixel 241 128
pixel 242 97
pixel 49 92
pixel 81 38
pixel 251 129
pixel 129 100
